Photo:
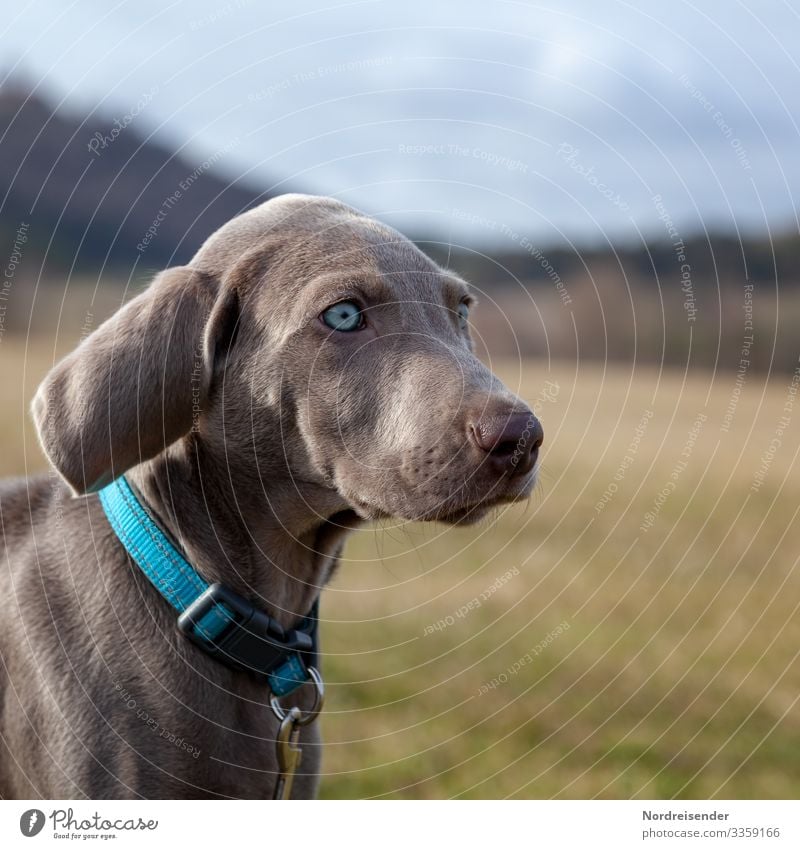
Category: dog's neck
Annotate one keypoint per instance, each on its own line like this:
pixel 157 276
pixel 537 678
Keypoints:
pixel 277 550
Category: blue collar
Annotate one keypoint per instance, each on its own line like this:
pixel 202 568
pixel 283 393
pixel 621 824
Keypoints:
pixel 221 622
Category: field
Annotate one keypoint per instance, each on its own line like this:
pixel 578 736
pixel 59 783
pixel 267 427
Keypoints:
pixel 573 647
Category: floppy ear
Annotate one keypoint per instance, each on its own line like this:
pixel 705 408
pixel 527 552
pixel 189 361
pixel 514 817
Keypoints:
pixel 132 387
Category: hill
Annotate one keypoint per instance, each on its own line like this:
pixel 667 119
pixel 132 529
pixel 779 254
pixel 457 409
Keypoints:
pixel 95 191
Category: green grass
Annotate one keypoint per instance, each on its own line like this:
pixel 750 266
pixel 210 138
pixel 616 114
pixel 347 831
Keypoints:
pixel 678 673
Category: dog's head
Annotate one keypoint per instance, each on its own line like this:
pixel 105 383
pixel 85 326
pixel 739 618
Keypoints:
pixel 304 344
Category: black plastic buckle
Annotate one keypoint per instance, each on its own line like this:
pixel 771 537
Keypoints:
pixel 252 640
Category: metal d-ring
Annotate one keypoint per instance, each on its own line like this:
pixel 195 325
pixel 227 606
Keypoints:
pixel 302 717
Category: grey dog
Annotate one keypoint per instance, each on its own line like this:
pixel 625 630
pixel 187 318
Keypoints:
pixel 310 369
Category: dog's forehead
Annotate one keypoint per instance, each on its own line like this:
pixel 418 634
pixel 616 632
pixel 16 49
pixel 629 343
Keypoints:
pixel 367 259
pixel 314 234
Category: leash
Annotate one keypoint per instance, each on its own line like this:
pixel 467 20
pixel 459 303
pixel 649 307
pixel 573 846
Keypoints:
pixel 224 624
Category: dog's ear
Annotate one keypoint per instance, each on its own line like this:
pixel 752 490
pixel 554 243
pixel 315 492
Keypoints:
pixel 133 386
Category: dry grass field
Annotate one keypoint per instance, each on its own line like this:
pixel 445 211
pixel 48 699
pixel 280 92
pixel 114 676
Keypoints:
pixel 571 647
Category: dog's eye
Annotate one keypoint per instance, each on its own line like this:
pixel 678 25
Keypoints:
pixel 344 316
pixel 463 315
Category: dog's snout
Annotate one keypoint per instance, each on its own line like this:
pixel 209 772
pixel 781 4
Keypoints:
pixel 511 441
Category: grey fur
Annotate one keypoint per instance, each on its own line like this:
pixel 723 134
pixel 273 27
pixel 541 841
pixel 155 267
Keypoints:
pixel 259 437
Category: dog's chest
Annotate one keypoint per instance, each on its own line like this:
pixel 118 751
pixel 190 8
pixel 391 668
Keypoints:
pixel 204 736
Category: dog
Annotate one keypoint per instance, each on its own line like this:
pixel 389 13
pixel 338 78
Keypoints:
pixel 309 370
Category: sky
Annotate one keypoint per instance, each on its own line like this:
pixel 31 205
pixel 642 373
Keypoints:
pixel 487 123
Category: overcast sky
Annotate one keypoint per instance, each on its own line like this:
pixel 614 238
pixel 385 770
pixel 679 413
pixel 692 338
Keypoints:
pixel 482 122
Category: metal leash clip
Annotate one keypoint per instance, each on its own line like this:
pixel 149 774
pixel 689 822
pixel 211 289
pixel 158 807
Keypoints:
pixel 287 745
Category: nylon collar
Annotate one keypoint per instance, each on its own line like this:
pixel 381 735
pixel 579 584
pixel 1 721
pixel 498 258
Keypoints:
pixel 220 621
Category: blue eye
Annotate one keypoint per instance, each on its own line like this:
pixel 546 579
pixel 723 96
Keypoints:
pixel 463 315
pixel 344 316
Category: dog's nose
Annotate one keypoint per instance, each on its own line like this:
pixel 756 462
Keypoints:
pixel 511 441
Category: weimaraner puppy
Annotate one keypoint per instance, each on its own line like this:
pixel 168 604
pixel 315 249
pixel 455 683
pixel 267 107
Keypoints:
pixel 310 369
